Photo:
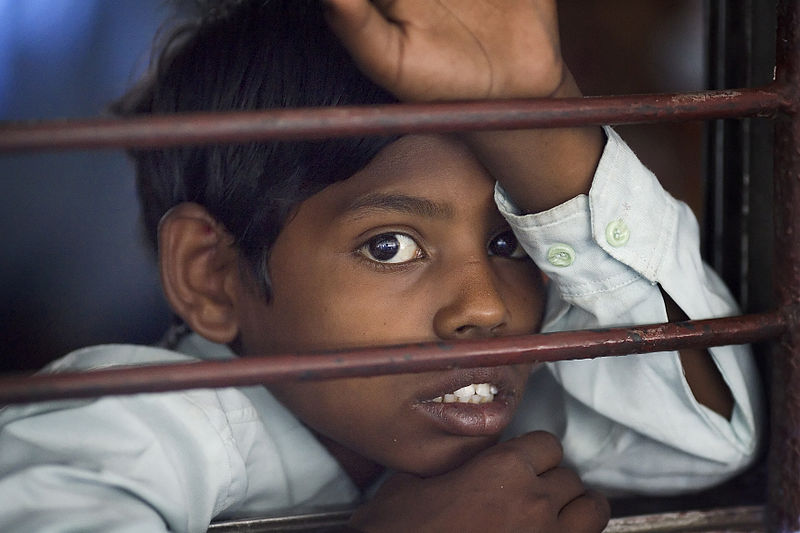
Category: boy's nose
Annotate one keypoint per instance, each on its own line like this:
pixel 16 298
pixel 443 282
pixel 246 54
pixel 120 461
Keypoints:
pixel 473 307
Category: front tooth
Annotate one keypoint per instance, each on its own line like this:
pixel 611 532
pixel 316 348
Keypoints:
pixel 465 392
pixel 473 393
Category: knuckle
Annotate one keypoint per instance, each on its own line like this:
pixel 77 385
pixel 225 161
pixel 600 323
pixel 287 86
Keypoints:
pixel 541 510
pixel 549 440
pixel 508 458
pixel 601 505
pixel 511 465
pixel 544 442
pixel 571 477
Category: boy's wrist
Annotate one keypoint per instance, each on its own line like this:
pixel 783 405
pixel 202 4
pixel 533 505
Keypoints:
pixel 540 169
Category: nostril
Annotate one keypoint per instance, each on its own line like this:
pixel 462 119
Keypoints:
pixel 494 331
pixel 498 330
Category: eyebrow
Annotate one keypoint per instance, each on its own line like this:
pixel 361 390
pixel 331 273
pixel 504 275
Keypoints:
pixel 412 205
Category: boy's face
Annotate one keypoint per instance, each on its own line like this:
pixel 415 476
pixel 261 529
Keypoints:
pixel 411 248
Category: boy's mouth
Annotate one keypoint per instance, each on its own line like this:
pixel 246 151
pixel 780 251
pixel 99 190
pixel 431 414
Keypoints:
pixel 473 393
pixel 480 401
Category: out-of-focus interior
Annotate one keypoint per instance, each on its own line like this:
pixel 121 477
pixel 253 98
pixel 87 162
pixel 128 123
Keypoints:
pixel 75 271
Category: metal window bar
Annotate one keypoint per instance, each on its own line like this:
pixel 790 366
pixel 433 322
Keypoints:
pixel 779 100
pixel 420 357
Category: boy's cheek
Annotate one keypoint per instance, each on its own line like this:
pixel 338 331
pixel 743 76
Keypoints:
pixel 315 320
pixel 358 316
pixel 344 327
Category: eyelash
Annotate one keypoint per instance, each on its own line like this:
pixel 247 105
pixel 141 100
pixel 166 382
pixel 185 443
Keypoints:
pixel 367 250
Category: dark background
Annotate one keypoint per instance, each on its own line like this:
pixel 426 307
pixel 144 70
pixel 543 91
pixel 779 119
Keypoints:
pixel 73 268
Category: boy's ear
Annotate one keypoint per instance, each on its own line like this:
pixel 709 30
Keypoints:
pixel 199 271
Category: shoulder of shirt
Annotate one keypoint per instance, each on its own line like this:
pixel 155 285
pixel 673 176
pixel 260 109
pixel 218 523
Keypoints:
pixel 192 348
pixel 112 355
pixel 107 356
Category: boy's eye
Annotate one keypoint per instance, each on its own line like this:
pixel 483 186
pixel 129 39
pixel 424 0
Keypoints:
pixel 505 244
pixel 391 248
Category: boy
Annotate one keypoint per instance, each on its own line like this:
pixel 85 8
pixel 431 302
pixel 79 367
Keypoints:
pixel 269 248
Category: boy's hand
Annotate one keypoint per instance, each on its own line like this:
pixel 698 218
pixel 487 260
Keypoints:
pixel 424 50
pixel 513 486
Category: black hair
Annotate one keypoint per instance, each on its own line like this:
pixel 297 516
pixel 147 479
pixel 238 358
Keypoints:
pixel 247 55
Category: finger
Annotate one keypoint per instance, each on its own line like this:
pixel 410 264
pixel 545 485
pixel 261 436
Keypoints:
pixel 542 450
pixel 587 514
pixel 563 486
pixel 364 32
pixel 347 14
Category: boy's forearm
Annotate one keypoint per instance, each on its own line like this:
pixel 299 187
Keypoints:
pixel 541 168
pixel 702 376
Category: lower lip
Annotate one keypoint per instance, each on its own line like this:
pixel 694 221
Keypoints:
pixel 471 420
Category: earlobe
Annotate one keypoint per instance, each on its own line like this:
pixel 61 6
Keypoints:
pixel 199 271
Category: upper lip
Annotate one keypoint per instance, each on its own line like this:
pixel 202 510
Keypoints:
pixel 503 377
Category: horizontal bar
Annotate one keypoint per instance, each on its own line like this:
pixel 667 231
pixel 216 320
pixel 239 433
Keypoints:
pixel 741 519
pixel 318 123
pixel 747 519
pixel 407 358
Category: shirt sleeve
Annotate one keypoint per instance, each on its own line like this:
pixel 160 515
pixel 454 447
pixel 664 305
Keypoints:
pixel 631 424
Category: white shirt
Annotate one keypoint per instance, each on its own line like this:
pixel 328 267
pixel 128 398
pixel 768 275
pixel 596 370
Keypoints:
pixel 175 461
pixel 631 424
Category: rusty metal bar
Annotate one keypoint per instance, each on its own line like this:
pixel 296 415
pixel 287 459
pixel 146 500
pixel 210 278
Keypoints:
pixel 747 519
pixel 232 127
pixel 783 510
pixel 396 359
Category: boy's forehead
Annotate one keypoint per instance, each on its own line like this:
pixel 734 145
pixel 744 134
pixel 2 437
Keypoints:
pixel 427 175
pixel 418 155
pixel 369 203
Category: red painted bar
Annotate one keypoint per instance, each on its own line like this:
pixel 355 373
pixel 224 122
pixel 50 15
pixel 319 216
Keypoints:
pixel 231 127
pixel 396 359
pixel 740 519
pixel 783 510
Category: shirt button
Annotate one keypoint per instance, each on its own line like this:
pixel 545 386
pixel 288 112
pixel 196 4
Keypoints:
pixel 617 233
pixel 561 255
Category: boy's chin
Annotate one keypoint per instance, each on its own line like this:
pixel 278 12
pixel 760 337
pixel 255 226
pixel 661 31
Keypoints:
pixel 436 464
